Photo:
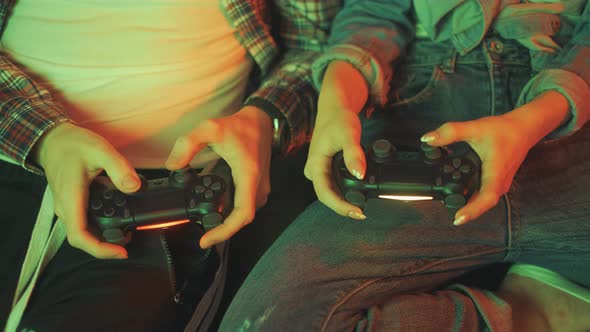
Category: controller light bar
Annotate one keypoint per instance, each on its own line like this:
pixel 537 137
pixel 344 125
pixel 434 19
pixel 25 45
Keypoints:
pixel 163 225
pixel 407 198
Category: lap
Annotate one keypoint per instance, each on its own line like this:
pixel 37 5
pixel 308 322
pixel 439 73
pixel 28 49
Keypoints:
pixel 324 263
pixel 77 291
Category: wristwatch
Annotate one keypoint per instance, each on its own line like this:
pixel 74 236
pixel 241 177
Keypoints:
pixel 280 128
pixel 280 134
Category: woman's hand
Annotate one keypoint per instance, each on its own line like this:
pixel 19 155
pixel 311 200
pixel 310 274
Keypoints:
pixel 337 128
pixel 502 143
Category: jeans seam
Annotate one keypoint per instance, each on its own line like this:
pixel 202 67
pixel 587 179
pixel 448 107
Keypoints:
pixel 349 294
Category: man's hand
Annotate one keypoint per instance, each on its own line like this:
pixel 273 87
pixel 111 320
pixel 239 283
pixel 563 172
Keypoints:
pixel 502 143
pixel 337 128
pixel 244 141
pixel 72 157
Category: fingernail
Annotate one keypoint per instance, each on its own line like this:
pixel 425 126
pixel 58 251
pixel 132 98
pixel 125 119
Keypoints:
pixel 460 221
pixel 357 174
pixel 131 182
pixel 428 138
pixel 356 215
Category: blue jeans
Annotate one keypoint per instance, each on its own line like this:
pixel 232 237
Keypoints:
pixel 395 270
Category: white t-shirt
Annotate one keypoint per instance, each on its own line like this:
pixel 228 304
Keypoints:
pixel 138 72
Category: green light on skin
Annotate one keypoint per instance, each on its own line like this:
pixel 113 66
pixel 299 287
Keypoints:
pixel 407 198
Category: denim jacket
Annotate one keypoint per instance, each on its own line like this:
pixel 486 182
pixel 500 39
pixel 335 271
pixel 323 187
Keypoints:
pixel 371 34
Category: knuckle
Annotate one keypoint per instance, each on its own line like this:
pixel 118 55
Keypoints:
pixel 492 198
pixel 184 141
pixel 58 211
pixel 74 240
pixel 448 127
pixel 262 202
pixel 248 217
pixel 213 126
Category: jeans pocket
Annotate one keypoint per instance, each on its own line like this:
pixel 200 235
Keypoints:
pixel 414 84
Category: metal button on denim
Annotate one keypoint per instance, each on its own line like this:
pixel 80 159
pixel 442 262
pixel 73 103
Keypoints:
pixel 496 46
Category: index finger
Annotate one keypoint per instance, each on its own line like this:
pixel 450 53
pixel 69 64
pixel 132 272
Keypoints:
pixel 321 176
pixel 487 197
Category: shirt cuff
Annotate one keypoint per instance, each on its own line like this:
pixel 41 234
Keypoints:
pixel 366 64
pixel 572 86
pixel 27 120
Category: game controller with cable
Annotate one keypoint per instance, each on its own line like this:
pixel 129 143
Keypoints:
pixel 185 195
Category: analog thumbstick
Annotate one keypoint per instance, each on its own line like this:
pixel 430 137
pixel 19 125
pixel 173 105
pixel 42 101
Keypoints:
pixel 382 149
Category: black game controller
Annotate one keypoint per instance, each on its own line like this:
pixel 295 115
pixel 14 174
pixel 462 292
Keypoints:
pixel 184 196
pixel 450 174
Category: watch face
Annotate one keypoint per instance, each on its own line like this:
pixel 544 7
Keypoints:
pixel 280 134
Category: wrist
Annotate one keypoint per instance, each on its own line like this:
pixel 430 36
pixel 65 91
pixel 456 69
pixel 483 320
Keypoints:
pixel 40 150
pixel 273 126
pixel 544 114
pixel 343 89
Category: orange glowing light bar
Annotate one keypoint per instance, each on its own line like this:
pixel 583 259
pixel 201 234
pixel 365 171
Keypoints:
pixel 163 225
pixel 407 198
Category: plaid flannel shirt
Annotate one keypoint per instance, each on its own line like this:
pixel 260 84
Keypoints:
pixel 281 84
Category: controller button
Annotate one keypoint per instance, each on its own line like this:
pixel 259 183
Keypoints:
pixel 457 162
pixel 192 203
pixel 465 169
pixel 207 180
pixel 96 204
pixel 448 169
pixel 109 212
pixel 456 175
pixel 179 176
pixel 120 200
pixel 209 194
pixel 114 235
pixel 108 194
pixel 433 154
pixel 426 147
pixel 454 201
pixel 355 197
pixel 382 148
pixel 438 181
pixel 199 189
pixel 216 186
pixel 211 220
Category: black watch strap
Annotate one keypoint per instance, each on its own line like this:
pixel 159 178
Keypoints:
pixel 280 128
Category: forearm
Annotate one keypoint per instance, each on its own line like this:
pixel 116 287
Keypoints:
pixel 27 111
pixel 343 88
pixel 541 116
pixel 567 72
pixel 370 35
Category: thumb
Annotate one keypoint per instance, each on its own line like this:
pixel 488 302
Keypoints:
pixel 119 170
pixel 355 160
pixel 446 134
